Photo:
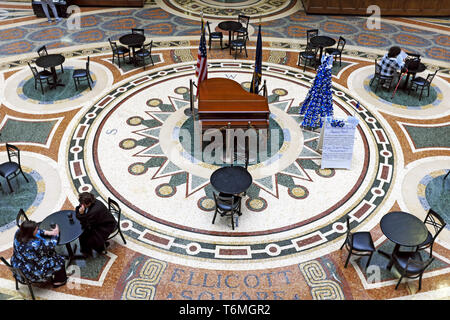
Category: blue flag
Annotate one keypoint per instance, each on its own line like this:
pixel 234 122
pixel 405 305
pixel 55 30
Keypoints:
pixel 257 74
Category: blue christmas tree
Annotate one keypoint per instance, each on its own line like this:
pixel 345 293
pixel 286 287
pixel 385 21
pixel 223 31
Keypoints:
pixel 319 100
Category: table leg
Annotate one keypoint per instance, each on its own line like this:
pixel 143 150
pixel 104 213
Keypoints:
pixel 71 256
pixel 318 62
pixel 405 85
pixel 390 256
pixel 55 79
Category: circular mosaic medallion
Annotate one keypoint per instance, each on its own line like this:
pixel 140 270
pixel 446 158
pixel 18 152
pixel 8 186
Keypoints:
pixel 206 204
pixel 163 188
pixel 326 173
pixel 137 169
pixel 256 204
pixel 298 192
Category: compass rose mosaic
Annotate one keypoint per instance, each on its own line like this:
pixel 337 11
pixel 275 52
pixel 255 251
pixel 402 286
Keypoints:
pixel 129 145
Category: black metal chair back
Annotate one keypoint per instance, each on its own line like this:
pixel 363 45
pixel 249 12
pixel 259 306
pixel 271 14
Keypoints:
pixel 21 217
pixel 33 70
pixel 13 152
pixel 18 274
pixel 436 223
pixel 227 206
pixel 434 220
pixel 244 20
pixel 137 31
pixel 431 76
pixel 113 45
pixel 42 51
pixel 115 209
pixel 341 44
pixel 311 33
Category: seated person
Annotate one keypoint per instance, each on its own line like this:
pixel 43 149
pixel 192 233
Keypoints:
pixel 390 65
pixel 97 222
pixel 34 254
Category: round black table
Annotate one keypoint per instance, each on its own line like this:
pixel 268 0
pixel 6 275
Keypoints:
pixel 421 68
pixel 133 41
pixel 229 26
pixel 51 61
pixel 231 180
pixel 68 231
pixel 322 42
pixel 403 229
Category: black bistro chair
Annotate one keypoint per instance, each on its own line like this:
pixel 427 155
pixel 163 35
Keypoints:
pixel 82 74
pixel 216 35
pixel 244 20
pixel 422 83
pixel 311 33
pixel 119 51
pixel 21 217
pixel 239 43
pixel 115 209
pixel 42 51
pixel 437 224
pixel 18 274
pixel 309 55
pixel 144 52
pixel 337 52
pixel 227 206
pixel 358 243
pixel 410 265
pixel 11 169
pixel 40 76
pixel 387 80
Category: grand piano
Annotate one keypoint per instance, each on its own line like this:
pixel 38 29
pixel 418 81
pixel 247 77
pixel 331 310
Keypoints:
pixel 223 101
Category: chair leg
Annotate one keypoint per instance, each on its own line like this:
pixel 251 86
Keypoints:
pixel 42 88
pixel 89 83
pixel 9 184
pixel 398 283
pixel 123 238
pixel 421 91
pixel 232 221
pixel 75 81
pixel 368 261
pixel 420 282
pixel 348 259
pixel 214 219
pixel 24 175
pixel 17 284
pixel 31 292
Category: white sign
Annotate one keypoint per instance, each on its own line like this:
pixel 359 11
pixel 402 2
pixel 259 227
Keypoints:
pixel 337 144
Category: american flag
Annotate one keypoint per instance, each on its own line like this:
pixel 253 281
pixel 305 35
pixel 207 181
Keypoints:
pixel 202 65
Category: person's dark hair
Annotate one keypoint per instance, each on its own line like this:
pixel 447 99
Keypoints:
pixel 26 231
pixel 86 198
pixel 394 51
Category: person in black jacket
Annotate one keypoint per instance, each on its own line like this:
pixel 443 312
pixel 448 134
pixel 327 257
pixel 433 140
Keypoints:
pixel 97 222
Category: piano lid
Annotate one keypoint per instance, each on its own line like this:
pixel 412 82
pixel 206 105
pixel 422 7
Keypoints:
pixel 226 95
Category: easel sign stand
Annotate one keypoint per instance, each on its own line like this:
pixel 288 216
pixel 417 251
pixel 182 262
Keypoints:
pixel 337 143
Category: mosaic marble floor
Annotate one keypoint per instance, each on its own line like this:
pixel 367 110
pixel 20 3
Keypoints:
pixel 122 140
